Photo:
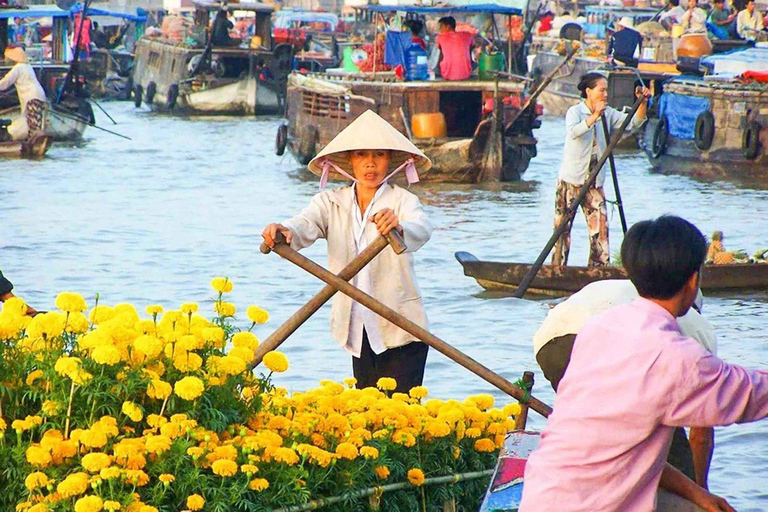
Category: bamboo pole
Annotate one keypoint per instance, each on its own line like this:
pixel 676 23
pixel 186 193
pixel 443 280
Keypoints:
pixel 370 491
pixel 522 419
pixel 571 212
pixel 615 178
pixel 419 332
pixel 276 339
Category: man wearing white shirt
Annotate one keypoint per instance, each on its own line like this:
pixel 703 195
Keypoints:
pixel 749 23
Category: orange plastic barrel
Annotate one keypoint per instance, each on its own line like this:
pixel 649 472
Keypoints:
pixel 428 126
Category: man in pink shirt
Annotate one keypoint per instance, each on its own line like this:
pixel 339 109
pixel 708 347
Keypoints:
pixel 455 62
pixel 632 378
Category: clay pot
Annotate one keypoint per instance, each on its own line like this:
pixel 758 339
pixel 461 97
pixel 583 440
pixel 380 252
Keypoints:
pixel 694 45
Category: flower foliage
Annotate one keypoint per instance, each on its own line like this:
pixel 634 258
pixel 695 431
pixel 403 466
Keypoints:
pixel 161 414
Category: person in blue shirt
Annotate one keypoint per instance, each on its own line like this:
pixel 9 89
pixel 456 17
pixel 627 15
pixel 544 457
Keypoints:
pixel 625 42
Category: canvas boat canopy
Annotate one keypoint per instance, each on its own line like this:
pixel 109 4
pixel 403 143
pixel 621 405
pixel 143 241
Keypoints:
pixel 446 9
pixel 211 5
pixel 34 11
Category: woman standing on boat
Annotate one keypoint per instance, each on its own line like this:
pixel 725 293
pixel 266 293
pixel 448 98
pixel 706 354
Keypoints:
pixel 584 143
pixel 30 92
pixel 368 152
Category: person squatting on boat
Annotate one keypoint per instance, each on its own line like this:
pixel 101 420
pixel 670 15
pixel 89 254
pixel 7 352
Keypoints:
pixel 31 96
pixel 553 344
pixel 632 378
pixel 585 142
pixel 368 152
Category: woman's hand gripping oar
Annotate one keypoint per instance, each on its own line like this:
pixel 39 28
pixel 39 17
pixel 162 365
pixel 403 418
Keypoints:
pixel 419 332
pixel 392 239
pixel 571 211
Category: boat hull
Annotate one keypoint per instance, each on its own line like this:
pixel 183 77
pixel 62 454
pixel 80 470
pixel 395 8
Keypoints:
pixel 562 281
pixel 35 148
pixel 61 123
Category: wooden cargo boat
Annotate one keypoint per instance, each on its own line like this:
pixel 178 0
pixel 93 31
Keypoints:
pixel 68 114
pixel 561 281
pixel 207 79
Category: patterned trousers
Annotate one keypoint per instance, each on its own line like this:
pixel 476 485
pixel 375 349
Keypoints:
pixel 596 214
pixel 35 116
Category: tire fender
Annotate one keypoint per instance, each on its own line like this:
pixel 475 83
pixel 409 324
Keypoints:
pixel 281 140
pixel 704 130
pixel 750 141
pixel 173 95
pixel 149 95
pixel 660 136
pixel 138 93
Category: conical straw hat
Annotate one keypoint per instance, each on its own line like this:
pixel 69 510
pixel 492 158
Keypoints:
pixel 16 54
pixel 369 131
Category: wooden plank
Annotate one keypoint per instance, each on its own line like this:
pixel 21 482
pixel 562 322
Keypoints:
pixel 423 102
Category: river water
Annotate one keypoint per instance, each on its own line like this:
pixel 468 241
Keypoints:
pixel 152 220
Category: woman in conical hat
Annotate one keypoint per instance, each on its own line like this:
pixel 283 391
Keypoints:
pixel 369 152
pixel 30 92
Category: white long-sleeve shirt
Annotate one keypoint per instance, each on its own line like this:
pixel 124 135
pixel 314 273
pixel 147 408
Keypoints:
pixel 27 87
pixel 747 24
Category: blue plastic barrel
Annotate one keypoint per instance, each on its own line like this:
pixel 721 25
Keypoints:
pixel 416 63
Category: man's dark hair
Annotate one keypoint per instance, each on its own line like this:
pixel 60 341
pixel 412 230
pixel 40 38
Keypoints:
pixel 660 255
pixel 415 26
pixel 674 3
pixel 448 20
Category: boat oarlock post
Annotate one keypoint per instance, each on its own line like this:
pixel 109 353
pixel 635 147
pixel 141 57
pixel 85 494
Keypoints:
pixel 339 284
pixel 571 212
pixel 615 177
pixel 288 327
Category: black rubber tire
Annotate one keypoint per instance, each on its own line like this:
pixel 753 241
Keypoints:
pixel 307 145
pixel 750 141
pixel 173 95
pixel 138 94
pixel 281 140
pixel 704 130
pixel 660 136
pixel 149 95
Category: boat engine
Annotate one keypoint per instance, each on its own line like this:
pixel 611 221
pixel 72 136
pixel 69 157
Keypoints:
pixel 4 135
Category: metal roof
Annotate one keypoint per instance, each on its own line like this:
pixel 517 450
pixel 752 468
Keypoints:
pixel 238 6
pixel 445 9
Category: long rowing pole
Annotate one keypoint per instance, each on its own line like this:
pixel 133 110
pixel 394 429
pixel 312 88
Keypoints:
pixel 615 178
pixel 79 119
pixel 571 211
pixel 412 328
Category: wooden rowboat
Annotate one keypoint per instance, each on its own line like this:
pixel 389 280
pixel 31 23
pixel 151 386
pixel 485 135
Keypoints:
pixel 561 281
pixel 33 148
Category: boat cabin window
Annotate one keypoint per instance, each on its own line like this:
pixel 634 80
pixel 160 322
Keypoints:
pixel 462 111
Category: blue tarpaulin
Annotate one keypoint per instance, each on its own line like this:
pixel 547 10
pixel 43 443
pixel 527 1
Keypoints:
pixel 34 11
pixel 448 9
pixel 681 112
pixel 92 11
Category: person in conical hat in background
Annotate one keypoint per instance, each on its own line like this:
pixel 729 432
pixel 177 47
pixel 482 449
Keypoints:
pixel 30 92
pixel 369 152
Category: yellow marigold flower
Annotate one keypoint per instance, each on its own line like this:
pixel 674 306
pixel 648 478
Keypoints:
pixel 512 409
pixel 350 382
pixel 38 457
pixel 110 473
pixel 136 476
pixel 456 452
pixel 386 384
pixel 189 388
pixel 258 484
pixel 249 469
pixel 21 425
pixel 66 366
pixel 15 306
pixel 112 505
pixel 95 462
pixel 195 502
pixel 369 452
pixel 71 302
pixel 81 377
pixel 154 309
pixel 148 345
pixel 159 390
pixel 382 472
pixel 225 309
pixel 224 467
pixel 437 428
pixel 188 362
pixel 167 478
pixel 222 284
pixel 89 504
pixel 472 433
pixel 36 480
pixel 231 365
pixel 416 476
pixel 214 335
pixel 195 452
pixel 189 308
pixel 157 444
pixel 74 484
pixel 148 508
pixel 106 354
pixel 76 323
pixel 257 315
pixel 100 314
pixel 485 445
pixel 418 392
pixel 347 451
pixel 132 410
pixel 276 361
pixel 483 402
pixel 245 339
pixel 46 325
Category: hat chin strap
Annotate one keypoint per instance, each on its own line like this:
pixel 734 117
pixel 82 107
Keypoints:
pixel 411 174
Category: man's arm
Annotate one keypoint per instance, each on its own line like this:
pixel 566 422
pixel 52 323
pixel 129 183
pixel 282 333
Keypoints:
pixel 702 440
pixel 676 482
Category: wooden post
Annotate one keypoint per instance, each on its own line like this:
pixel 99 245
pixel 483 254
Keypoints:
pixel 522 418
pixel 412 328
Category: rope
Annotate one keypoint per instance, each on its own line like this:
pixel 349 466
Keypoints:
pixel 525 386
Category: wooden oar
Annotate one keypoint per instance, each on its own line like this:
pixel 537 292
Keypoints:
pixel 615 179
pixel 392 239
pixel 571 211
pixel 74 117
pixel 419 332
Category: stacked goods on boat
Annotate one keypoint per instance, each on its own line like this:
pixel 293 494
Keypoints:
pixel 105 410
pixel 450 121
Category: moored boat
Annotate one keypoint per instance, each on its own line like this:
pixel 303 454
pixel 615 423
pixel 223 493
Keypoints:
pixel 561 281
pixel 199 77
